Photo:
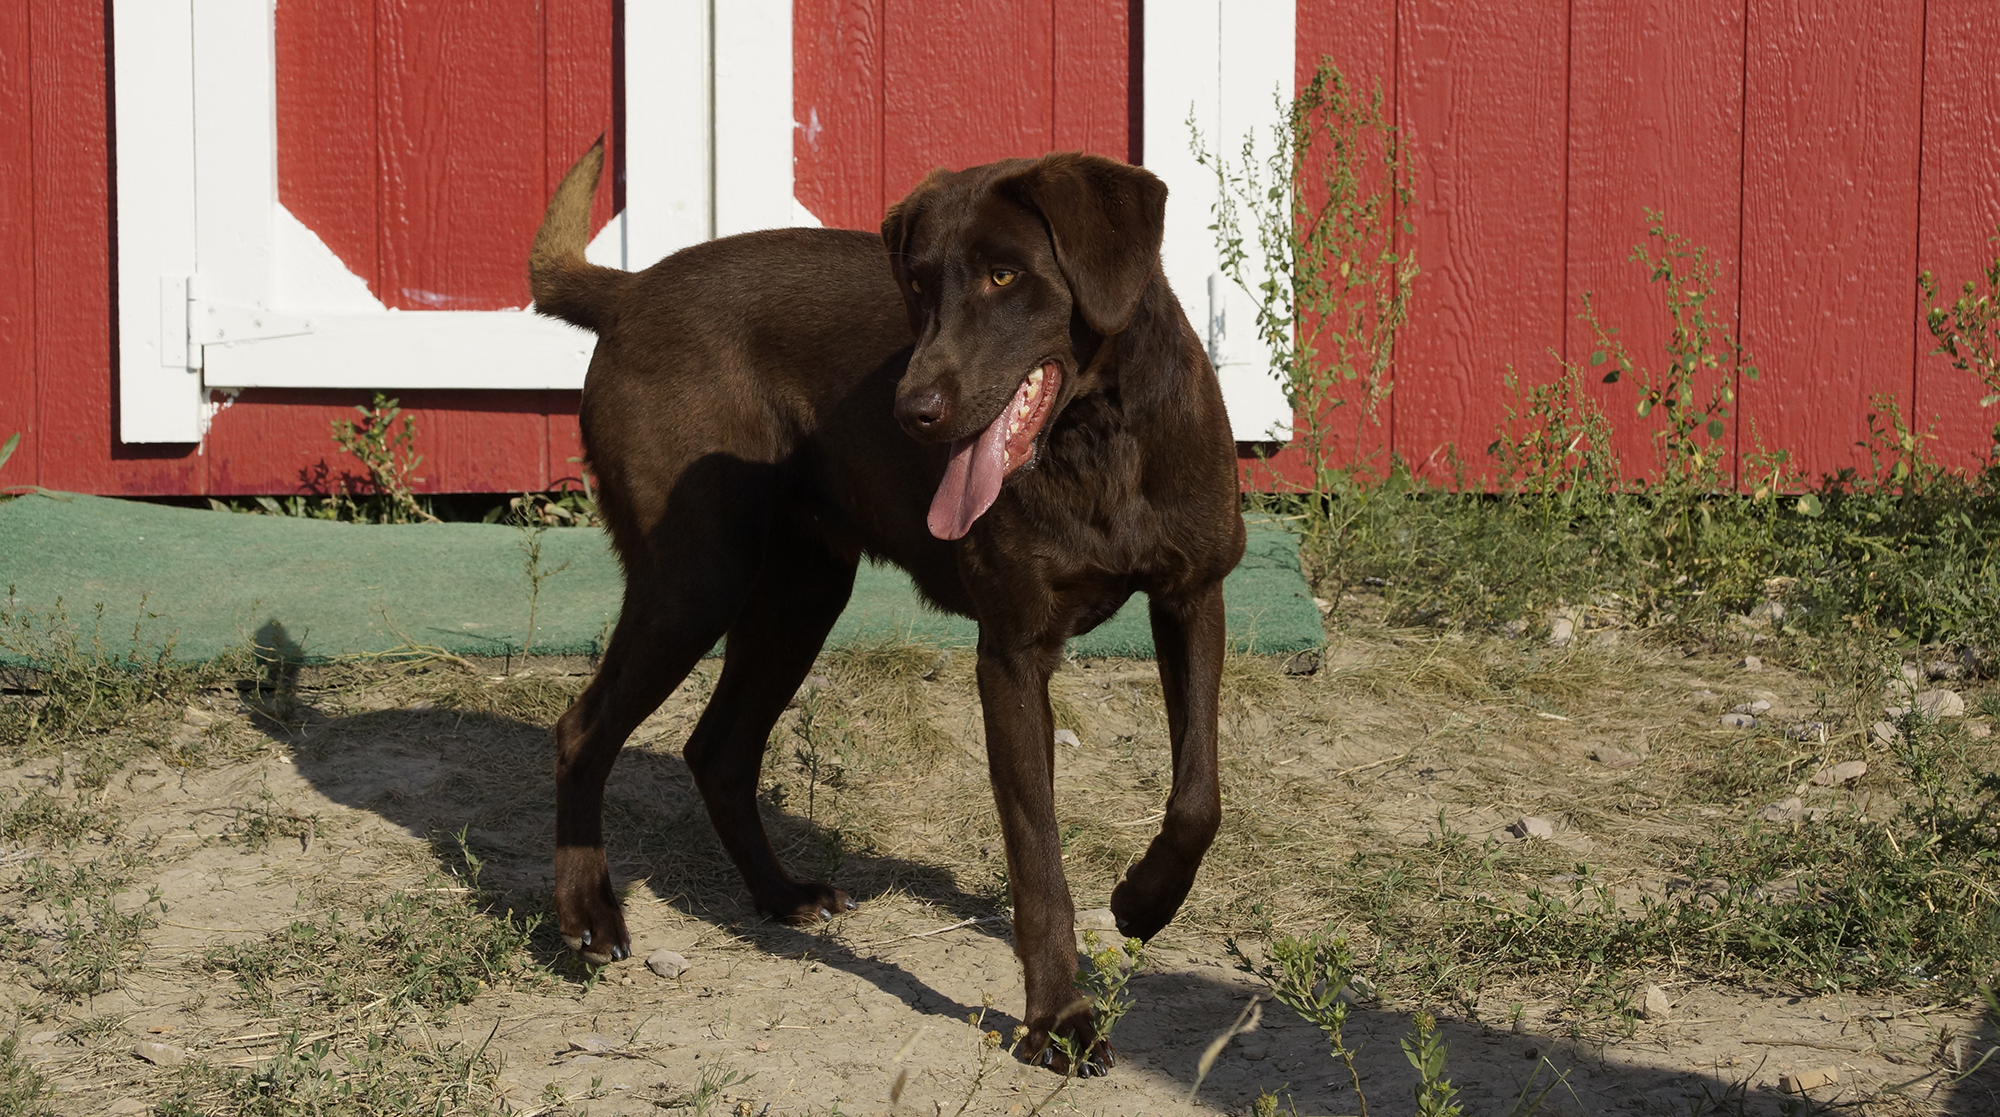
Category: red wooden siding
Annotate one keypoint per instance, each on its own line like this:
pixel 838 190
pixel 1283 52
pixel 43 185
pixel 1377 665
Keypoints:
pixel 1656 112
pixel 1959 196
pixel 1823 150
pixel 885 91
pixel 1482 98
pixel 1831 122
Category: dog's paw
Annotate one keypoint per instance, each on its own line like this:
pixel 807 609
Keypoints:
pixel 1053 1049
pixel 1137 915
pixel 587 910
pixel 806 901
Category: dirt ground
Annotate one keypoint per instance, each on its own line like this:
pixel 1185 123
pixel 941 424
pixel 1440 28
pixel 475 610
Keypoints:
pixel 239 823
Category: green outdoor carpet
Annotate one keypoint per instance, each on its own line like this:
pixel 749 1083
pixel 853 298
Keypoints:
pixel 210 581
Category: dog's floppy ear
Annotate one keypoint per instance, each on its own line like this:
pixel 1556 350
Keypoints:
pixel 1106 218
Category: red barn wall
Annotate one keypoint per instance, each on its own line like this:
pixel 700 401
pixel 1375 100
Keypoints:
pixel 1823 152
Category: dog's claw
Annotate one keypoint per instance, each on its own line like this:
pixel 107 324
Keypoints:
pixel 825 914
pixel 849 903
pixel 619 953
pixel 585 938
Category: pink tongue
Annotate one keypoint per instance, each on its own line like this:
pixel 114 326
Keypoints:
pixel 971 480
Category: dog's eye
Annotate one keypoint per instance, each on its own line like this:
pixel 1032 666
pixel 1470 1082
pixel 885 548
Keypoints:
pixel 1002 277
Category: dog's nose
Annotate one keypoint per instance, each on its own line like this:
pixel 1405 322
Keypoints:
pixel 924 412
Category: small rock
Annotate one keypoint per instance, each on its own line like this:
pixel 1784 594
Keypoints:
pixel 1911 675
pixel 127 1105
pixel 1738 721
pixel 1615 757
pixel 1068 737
pixel 1705 695
pixel 194 715
pixel 1841 773
pixel 1528 826
pixel 666 963
pixel 592 1042
pixel 1096 919
pixel 1655 1006
pixel 1302 663
pixel 1518 627
pixel 1766 614
pixel 1759 706
pixel 420 705
pixel 1751 663
pixel 1896 711
pixel 1941 704
pixel 1944 669
pixel 584 1060
pixel 1978 730
pixel 1784 810
pixel 1323 605
pixel 1256 1050
pixel 1885 733
pixel 1801 1081
pixel 160 1054
pixel 1561 631
pixel 41 1038
pixel 1806 731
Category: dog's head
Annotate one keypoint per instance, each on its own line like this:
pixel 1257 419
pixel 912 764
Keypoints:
pixel 1004 267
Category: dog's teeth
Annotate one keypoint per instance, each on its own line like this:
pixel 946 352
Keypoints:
pixel 1035 377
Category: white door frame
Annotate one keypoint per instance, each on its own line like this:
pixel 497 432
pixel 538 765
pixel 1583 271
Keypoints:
pixel 220 288
pixel 1219 62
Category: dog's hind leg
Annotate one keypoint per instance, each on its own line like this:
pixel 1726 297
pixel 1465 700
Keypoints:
pixel 682 591
pixel 798 594
pixel 1190 639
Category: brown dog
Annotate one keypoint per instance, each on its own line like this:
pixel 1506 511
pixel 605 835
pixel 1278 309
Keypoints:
pixel 1010 406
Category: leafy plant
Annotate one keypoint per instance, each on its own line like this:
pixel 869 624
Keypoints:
pixel 1968 330
pixel 386 449
pixel 1309 230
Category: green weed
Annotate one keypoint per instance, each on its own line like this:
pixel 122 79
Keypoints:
pixel 381 1077
pixel 23 1091
pixel 386 450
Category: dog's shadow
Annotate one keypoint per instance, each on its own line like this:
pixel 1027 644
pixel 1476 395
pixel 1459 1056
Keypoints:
pixel 449 775
pixel 440 772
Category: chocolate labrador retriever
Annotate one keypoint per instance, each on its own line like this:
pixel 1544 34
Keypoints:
pixel 1010 405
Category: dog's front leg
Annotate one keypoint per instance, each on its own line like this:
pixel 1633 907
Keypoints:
pixel 1020 755
pixel 1189 637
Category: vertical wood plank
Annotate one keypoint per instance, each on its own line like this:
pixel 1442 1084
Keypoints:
pixel 328 159
pixel 1482 103
pixel 837 102
pixel 1831 116
pixel 1360 40
pixel 74 346
pixel 462 149
pixel 1092 41
pixel 1656 113
pixel 17 245
pixel 963 83
pixel 1960 207
pixel 577 77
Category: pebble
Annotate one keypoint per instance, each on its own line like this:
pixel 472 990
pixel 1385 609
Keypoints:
pixel 1655 1006
pixel 1615 757
pixel 1784 810
pixel 1561 631
pixel 40 1038
pixel 666 963
pixel 1801 1081
pixel 1766 614
pixel 1941 704
pixel 1807 731
pixel 1323 605
pixel 1751 663
pixel 1757 707
pixel 1302 663
pixel 1944 669
pixel 1096 919
pixel 1068 737
pixel 1528 826
pixel 127 1105
pixel 1738 721
pixel 1885 733
pixel 1841 773
pixel 1256 1050
pixel 1979 731
pixel 592 1042
pixel 160 1054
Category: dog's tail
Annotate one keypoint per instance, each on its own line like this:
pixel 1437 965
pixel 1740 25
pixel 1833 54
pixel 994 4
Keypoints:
pixel 563 284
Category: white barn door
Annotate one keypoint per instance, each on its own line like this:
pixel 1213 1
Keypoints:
pixel 219 287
